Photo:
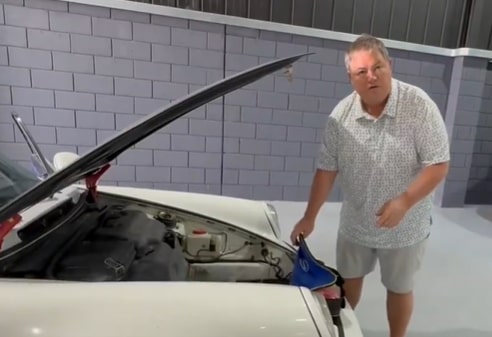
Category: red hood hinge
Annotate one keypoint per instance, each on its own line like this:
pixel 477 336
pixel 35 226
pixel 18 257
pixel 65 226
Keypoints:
pixel 91 182
pixel 7 225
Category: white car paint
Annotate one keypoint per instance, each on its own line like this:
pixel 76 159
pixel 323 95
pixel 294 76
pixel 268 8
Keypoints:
pixel 60 309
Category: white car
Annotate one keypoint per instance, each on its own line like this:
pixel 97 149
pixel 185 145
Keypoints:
pixel 89 260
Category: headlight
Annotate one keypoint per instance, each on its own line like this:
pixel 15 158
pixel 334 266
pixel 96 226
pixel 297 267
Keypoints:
pixel 272 216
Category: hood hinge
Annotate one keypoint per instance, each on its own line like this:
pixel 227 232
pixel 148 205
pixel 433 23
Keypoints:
pixel 91 183
pixel 7 225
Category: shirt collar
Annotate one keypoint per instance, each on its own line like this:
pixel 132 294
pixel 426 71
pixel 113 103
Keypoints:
pixel 389 109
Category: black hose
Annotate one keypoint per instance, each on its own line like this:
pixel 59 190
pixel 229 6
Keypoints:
pixel 337 320
pixel 335 306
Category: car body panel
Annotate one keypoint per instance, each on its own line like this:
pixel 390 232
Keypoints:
pixel 154 309
pixel 350 323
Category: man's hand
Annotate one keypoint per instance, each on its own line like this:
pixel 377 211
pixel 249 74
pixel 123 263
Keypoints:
pixel 392 212
pixel 305 226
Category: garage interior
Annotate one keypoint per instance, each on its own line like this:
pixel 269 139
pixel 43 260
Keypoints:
pixel 79 71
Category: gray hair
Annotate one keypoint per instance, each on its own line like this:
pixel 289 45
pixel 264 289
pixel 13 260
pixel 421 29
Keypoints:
pixel 366 42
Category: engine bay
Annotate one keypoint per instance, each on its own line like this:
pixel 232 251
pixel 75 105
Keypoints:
pixel 123 240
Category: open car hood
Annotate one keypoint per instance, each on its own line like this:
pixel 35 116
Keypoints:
pixel 92 164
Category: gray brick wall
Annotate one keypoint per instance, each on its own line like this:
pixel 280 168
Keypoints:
pixel 479 187
pixel 468 103
pixel 79 73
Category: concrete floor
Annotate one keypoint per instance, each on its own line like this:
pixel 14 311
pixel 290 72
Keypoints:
pixel 454 292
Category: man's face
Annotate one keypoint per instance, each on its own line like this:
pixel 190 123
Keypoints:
pixel 370 74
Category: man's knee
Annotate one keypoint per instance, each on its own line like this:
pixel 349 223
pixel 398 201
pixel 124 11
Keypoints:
pixel 353 290
pixel 399 267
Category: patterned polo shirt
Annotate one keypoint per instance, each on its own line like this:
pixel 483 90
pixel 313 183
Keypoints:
pixel 377 159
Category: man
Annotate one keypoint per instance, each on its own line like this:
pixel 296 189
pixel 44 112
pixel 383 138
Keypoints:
pixel 388 144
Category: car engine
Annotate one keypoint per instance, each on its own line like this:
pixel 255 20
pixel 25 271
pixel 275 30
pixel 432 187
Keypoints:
pixel 127 245
pixel 120 240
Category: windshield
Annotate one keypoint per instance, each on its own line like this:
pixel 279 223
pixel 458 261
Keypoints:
pixel 14 179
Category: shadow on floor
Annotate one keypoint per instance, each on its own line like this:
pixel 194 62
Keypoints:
pixel 478 223
pixel 483 228
pixel 445 333
pixel 485 212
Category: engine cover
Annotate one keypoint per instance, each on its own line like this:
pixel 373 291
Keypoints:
pixel 97 261
pixel 164 263
pixel 126 246
pixel 131 225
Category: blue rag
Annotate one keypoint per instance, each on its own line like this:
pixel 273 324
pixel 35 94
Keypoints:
pixel 311 273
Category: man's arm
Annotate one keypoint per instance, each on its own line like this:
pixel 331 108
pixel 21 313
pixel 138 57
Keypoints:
pixel 425 183
pixel 320 190
pixel 433 149
pixel 323 180
pixel 432 145
pixel 326 169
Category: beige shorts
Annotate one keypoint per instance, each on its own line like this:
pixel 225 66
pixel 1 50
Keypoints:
pixel 398 266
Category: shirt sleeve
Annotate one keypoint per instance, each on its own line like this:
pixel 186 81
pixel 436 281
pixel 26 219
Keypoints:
pixel 431 136
pixel 328 151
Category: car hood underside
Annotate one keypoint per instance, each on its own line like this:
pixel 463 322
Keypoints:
pixel 95 162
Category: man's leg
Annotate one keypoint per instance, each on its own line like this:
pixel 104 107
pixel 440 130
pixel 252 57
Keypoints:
pixel 353 290
pixel 353 263
pixel 399 308
pixel 398 270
